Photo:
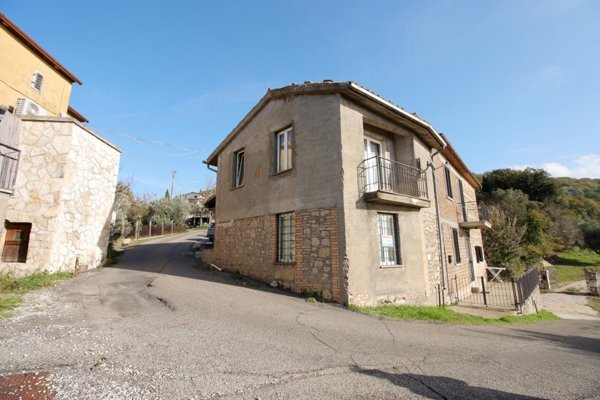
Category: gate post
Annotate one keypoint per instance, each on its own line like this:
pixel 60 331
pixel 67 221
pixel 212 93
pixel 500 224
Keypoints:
pixel 150 229
pixel 456 288
pixel 483 291
pixel 514 290
pixel 137 229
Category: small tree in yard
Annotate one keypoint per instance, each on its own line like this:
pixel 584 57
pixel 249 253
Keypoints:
pixel 169 210
pixel 123 200
pixel 504 242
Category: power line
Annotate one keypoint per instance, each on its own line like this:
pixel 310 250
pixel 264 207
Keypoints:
pixel 146 143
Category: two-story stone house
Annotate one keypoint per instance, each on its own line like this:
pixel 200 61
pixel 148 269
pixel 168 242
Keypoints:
pixel 57 176
pixel 328 188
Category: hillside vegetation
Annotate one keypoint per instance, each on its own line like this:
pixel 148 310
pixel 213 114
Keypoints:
pixel 535 215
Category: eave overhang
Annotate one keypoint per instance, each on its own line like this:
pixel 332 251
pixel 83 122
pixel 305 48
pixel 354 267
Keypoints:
pixel 13 29
pixel 349 89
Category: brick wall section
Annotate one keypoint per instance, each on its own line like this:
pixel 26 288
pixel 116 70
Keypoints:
pixel 318 259
pixel 249 246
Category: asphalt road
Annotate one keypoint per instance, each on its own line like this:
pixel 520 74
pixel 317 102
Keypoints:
pixel 160 325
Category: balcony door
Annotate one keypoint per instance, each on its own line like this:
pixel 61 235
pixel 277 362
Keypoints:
pixel 372 154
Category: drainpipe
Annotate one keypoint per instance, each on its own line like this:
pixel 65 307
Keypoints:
pixel 209 166
pixel 443 266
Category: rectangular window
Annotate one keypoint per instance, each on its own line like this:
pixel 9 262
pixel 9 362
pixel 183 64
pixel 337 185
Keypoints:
pixel 479 253
pixel 238 168
pixel 389 243
pixel 283 156
pixel 16 243
pixel 37 82
pixel 456 245
pixel 448 182
pixel 285 238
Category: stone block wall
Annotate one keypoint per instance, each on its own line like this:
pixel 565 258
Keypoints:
pixel 65 188
pixel 431 243
pixel 249 246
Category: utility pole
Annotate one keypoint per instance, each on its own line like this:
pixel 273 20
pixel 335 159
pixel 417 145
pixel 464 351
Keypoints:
pixel 172 181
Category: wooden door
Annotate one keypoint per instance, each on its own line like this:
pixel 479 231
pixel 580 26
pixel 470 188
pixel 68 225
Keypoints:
pixel 16 243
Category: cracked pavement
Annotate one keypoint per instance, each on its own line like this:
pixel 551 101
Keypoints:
pixel 159 325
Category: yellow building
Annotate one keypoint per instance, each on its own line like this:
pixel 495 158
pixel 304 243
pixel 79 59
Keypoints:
pixel 57 176
pixel 31 80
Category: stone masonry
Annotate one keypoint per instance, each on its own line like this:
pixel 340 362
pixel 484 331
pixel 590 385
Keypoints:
pixel 65 188
pixel 249 246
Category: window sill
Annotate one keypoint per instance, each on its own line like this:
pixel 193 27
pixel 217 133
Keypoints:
pixel 391 266
pixel 285 263
pixel 282 172
pixel 237 187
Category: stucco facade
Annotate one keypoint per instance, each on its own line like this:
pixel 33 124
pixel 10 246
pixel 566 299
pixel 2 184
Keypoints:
pixel 330 126
pixel 21 59
pixel 64 188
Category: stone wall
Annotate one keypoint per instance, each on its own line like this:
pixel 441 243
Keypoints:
pixel 533 303
pixel 65 189
pixel 430 240
pixel 249 246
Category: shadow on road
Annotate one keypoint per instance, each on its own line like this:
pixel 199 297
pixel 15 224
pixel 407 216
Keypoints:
pixel 581 343
pixel 441 387
pixel 177 259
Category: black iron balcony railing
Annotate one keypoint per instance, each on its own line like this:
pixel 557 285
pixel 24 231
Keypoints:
pixel 472 211
pixel 379 174
pixel 9 164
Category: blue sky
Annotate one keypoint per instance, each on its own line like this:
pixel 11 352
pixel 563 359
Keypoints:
pixel 511 83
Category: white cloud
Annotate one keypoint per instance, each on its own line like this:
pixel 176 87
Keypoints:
pixel 586 166
pixel 557 169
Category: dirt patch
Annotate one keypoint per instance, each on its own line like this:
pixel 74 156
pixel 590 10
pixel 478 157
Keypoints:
pixel 28 386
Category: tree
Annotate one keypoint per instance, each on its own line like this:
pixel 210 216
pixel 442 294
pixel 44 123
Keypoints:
pixel 536 183
pixel 528 214
pixel 168 210
pixel 504 242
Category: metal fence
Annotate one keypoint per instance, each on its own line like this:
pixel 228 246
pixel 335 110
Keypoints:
pixel 9 164
pixel 472 211
pixel 380 174
pixel 512 293
pixel 155 229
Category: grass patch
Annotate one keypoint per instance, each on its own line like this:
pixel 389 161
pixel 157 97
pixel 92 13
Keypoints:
pixel 7 304
pixel 577 257
pixel 10 284
pixel 569 264
pixel 11 288
pixel 445 315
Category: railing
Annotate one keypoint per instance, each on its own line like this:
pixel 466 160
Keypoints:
pixel 472 211
pixel 9 164
pixel 379 174
pixel 511 293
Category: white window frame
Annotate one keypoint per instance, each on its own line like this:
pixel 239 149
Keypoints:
pixel 34 81
pixel 286 240
pixel 388 236
pixel 284 137
pixel 239 159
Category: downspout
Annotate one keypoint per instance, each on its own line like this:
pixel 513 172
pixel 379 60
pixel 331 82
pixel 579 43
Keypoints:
pixel 443 266
pixel 209 166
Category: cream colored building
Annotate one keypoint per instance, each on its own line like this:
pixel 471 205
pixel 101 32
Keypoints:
pixel 328 188
pixel 57 176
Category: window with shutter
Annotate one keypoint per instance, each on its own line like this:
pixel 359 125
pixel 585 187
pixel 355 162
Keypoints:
pixel 38 81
